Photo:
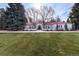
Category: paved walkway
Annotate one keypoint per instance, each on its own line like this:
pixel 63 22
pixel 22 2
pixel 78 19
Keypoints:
pixel 38 31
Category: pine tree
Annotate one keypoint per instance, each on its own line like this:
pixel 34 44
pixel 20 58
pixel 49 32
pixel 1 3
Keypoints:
pixel 68 20
pixel 2 19
pixel 15 17
pixel 58 19
pixel 74 15
pixel 52 20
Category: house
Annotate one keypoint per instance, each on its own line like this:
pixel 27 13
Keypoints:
pixel 48 26
pixel 54 26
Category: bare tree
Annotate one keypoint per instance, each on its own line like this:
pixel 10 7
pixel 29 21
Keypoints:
pixel 32 13
pixel 43 14
pixel 46 13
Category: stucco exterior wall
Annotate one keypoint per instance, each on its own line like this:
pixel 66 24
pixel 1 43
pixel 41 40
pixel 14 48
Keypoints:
pixel 48 27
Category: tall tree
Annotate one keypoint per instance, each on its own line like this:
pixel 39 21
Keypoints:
pixel 46 13
pixel 58 19
pixel 43 14
pixel 32 14
pixel 53 20
pixel 68 20
pixel 2 19
pixel 74 15
pixel 15 16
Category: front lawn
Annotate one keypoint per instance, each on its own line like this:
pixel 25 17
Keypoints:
pixel 34 44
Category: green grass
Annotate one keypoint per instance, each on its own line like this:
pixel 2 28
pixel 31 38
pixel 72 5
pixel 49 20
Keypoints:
pixel 33 44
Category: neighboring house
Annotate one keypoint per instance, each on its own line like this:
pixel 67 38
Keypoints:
pixel 49 26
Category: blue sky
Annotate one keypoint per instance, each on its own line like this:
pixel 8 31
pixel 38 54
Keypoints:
pixel 61 9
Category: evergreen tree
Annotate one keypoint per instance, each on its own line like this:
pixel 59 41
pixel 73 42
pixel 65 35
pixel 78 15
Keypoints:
pixel 58 19
pixel 2 19
pixel 74 15
pixel 15 16
pixel 52 20
pixel 68 20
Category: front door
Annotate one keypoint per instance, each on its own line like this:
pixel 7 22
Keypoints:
pixel 39 28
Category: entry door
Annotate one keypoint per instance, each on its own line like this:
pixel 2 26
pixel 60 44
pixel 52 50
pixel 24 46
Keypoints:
pixel 39 27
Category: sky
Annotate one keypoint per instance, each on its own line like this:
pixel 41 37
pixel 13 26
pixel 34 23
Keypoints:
pixel 61 9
